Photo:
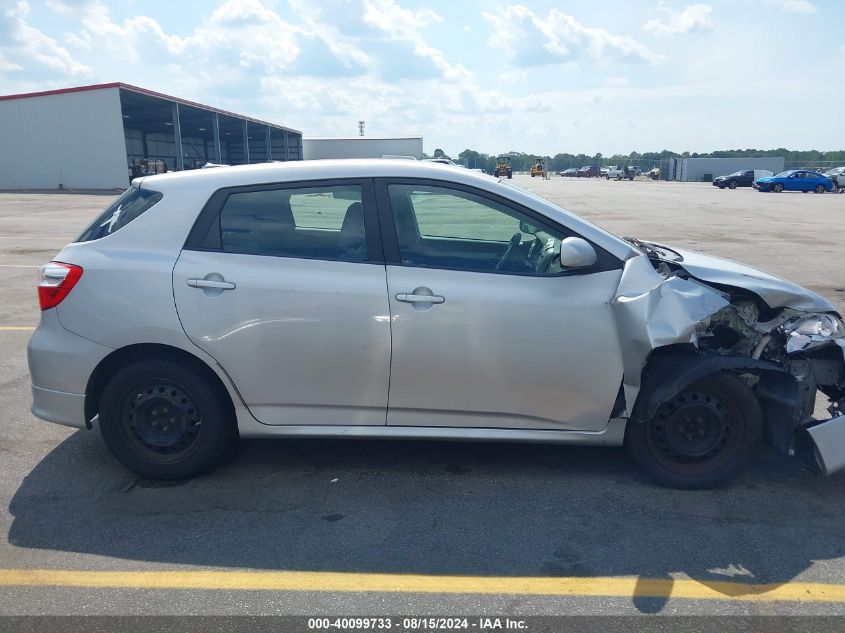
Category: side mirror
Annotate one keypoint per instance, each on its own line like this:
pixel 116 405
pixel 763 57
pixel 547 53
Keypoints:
pixel 576 253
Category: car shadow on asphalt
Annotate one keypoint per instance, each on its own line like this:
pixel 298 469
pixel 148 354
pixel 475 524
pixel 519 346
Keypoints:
pixel 469 509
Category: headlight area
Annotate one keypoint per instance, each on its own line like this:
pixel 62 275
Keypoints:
pixel 812 330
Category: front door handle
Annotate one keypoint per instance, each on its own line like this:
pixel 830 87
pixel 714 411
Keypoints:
pixel 408 297
pixel 211 283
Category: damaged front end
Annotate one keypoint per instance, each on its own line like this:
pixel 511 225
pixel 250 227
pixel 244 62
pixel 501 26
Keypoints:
pixel 683 316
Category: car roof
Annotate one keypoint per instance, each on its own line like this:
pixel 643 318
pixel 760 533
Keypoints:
pixel 261 173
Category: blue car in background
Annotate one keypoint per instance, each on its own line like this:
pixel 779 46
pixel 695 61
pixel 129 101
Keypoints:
pixel 795 180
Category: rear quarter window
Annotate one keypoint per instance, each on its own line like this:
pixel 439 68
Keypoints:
pixel 128 206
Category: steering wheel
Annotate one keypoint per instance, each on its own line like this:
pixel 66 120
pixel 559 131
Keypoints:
pixel 515 240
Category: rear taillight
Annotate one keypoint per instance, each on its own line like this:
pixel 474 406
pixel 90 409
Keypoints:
pixel 56 280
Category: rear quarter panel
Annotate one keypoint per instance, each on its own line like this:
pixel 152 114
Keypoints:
pixel 125 295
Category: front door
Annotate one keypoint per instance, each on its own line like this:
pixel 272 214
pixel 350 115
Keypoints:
pixel 488 329
pixel 284 287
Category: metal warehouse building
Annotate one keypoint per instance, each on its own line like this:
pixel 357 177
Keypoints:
pixel 362 147
pixel 99 137
pixel 706 169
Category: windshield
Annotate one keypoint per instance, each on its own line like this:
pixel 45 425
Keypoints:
pixel 784 174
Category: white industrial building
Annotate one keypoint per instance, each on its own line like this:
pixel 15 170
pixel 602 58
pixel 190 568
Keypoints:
pixel 99 137
pixel 706 169
pixel 362 147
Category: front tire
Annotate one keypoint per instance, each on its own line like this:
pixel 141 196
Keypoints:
pixel 777 187
pixel 702 437
pixel 732 184
pixel 163 420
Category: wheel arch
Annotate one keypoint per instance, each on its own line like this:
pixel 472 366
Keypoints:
pixel 668 370
pixel 125 356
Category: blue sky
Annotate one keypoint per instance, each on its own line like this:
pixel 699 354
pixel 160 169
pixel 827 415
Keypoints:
pixel 543 77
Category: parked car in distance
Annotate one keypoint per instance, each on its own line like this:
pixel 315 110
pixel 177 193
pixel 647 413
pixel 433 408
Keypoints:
pixel 343 299
pixel 441 161
pixel 837 176
pixel 802 180
pixel 621 173
pixel 572 172
pixel 603 170
pixel 654 173
pixel 742 178
pixel 587 171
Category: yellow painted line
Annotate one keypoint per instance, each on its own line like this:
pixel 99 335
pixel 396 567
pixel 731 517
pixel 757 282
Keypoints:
pixel 230 580
pixel 18 266
pixel 17 328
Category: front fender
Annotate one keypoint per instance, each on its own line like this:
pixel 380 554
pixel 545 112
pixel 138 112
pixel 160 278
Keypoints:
pixel 777 390
pixel 666 376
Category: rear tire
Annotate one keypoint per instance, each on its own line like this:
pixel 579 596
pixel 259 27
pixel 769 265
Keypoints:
pixel 164 421
pixel 820 189
pixel 702 437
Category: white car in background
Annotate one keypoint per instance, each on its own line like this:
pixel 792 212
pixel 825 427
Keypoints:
pixel 441 161
pixel 621 173
pixel 837 175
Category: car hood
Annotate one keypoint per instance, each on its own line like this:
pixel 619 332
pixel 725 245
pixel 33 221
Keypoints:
pixel 776 292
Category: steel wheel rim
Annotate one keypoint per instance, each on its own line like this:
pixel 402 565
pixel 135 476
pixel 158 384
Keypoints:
pixel 162 420
pixel 695 432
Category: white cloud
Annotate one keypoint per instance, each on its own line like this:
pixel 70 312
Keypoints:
pixel 512 76
pixel 617 81
pixel 24 47
pixel 240 38
pixel 401 24
pixel 8 66
pixel 533 40
pixel 793 6
pixel 693 17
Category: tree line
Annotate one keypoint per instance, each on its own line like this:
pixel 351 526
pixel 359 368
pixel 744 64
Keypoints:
pixel 522 161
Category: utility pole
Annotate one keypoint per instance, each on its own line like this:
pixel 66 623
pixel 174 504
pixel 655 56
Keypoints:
pixel 360 128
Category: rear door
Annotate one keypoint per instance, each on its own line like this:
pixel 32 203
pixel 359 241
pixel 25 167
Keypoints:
pixel 488 329
pixel 284 285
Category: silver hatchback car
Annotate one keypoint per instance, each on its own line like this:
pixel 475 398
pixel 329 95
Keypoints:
pixel 398 299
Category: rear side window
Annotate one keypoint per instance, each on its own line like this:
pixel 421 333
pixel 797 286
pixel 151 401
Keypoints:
pixel 132 203
pixel 312 222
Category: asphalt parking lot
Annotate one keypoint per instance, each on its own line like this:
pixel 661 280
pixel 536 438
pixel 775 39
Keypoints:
pixel 358 527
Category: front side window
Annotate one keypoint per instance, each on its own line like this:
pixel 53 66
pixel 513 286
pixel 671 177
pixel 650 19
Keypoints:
pixel 312 222
pixel 439 227
pixel 128 206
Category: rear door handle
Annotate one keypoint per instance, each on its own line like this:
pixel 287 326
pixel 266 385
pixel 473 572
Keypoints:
pixel 211 283
pixel 412 298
